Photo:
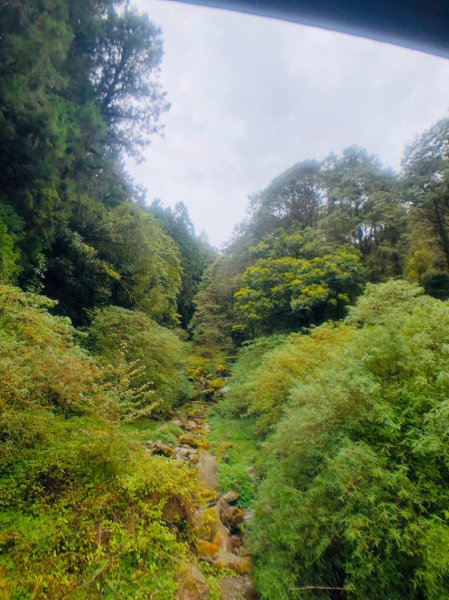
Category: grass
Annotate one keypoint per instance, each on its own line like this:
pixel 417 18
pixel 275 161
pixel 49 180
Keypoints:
pixel 147 429
pixel 233 441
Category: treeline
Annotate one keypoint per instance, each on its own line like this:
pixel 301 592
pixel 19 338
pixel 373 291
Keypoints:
pixel 78 90
pixel 320 231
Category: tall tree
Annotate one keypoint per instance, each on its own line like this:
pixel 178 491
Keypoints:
pixel 195 254
pixel 363 207
pixel 426 184
pixel 125 74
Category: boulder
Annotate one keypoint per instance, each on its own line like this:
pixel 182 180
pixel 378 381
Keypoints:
pixel 230 497
pixel 160 448
pixel 187 439
pixel 212 529
pixel 231 516
pixel 192 583
pixel 227 560
pixel 207 550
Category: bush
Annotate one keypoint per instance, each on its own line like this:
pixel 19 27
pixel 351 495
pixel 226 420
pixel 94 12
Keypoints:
pixel 355 493
pixel 84 511
pixel 118 334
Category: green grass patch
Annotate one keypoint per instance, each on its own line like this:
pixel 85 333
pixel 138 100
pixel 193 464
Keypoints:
pixel 147 429
pixel 233 441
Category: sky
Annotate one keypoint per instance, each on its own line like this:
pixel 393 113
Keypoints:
pixel 251 96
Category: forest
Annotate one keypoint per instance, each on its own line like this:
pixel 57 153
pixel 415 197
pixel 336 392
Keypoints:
pixel 267 421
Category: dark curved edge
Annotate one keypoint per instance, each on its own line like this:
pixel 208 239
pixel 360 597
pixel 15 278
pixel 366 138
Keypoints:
pixel 418 24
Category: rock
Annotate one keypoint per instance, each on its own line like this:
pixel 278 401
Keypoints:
pixel 209 497
pixel 247 514
pixel 188 439
pixel 192 424
pixel 237 542
pixel 227 560
pixel 230 497
pixel 192 584
pixel 194 459
pixel 231 516
pixel 207 550
pixel 160 448
pixel 207 470
pixel 237 588
pixel 252 472
pixel 195 412
pixel 212 529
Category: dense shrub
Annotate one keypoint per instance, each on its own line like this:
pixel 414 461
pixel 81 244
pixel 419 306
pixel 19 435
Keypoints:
pixel 84 513
pixel 355 494
pixel 117 334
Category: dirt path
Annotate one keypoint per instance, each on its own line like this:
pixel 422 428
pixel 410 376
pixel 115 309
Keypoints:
pixel 220 520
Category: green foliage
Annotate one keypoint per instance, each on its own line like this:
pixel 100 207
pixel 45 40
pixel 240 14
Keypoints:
pixel 312 238
pixel 85 513
pixel 425 182
pixel 233 442
pixel 78 86
pixel 195 254
pixel 11 230
pixel 287 290
pixel 117 333
pixel 145 429
pixel 355 494
pixel 363 208
pixel 125 75
pixel 211 325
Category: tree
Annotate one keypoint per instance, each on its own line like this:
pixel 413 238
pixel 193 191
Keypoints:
pixel 426 184
pixel 363 207
pixel 195 254
pixel 291 286
pixel 124 74
pixel 292 200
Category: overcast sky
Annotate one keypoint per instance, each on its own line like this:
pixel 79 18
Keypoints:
pixel 251 96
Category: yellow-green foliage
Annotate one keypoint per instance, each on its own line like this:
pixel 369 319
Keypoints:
pixel 116 333
pixel 283 292
pixel 84 512
pixel 270 368
pixel 356 466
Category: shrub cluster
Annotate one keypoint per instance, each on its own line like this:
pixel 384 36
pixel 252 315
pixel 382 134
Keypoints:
pixel 84 513
pixel 354 493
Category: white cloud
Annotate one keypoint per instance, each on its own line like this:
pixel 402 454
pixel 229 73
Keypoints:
pixel 251 96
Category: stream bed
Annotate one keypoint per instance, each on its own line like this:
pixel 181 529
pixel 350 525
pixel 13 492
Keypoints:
pixel 219 519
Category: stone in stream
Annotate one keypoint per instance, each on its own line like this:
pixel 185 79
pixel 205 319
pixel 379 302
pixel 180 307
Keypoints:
pixel 188 439
pixel 237 588
pixel 207 470
pixel 227 560
pixel 212 530
pixel 160 448
pixel 247 514
pixel 231 516
pixel 230 496
pixel 192 583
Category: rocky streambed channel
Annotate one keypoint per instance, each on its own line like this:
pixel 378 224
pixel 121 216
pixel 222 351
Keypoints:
pixel 219 519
